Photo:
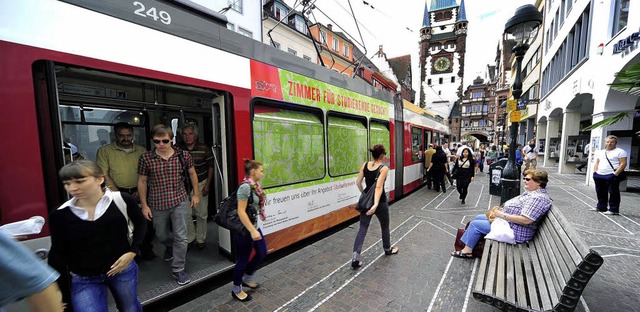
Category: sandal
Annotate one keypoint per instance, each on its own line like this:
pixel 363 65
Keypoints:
pixel 392 251
pixel 460 254
pixel 356 264
pixel 251 285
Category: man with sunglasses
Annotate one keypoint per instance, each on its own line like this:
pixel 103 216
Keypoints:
pixel 164 198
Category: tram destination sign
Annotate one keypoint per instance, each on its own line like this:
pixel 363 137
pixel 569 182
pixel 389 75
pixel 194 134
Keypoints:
pixel 181 18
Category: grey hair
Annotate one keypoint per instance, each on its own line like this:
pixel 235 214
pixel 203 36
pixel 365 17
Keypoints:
pixel 192 127
pixel 611 137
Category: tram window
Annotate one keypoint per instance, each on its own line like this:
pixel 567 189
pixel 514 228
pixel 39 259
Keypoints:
pixel 289 144
pixel 379 134
pixel 347 141
pixel 416 144
pixel 89 138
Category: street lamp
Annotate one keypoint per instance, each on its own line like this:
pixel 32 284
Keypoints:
pixel 521 27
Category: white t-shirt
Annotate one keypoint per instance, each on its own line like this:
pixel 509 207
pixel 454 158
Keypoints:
pixel 461 148
pixel 530 152
pixel 614 156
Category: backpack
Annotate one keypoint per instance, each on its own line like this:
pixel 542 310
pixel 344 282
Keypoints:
pixel 227 215
pixel 122 206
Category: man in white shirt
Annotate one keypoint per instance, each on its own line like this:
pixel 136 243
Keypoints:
pixel 530 155
pixel 609 164
pixel 462 147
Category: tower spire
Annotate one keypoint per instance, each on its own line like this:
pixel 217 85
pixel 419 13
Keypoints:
pixel 462 13
pixel 426 21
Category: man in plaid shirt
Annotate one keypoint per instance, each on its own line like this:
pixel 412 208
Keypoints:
pixel 164 198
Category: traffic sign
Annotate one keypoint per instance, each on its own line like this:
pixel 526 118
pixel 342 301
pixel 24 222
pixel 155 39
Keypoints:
pixel 516 115
pixel 511 105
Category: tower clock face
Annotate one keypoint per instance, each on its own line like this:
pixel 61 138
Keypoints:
pixel 442 63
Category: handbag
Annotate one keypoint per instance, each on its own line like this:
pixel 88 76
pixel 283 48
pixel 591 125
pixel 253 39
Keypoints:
pixel 227 215
pixel 365 202
pixel 491 214
pixel 459 245
pixel 501 232
pixel 622 176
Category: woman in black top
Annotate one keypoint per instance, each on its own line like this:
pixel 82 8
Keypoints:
pixel 380 208
pixel 465 172
pixel 438 168
pixel 90 240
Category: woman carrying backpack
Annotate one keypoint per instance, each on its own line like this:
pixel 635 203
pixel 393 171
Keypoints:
pixel 243 272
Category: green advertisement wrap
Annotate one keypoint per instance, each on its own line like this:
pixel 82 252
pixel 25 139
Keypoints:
pixel 347 145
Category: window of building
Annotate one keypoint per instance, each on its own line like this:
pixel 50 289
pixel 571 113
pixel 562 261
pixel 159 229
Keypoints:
pixel 485 108
pixel 481 123
pixel 569 6
pixel 345 50
pixel 453 79
pixel 477 94
pixel 555 32
pixel 429 81
pixel 323 37
pixel 280 10
pixel 301 25
pixel 336 45
pixel 245 32
pixel 439 92
pixel 620 16
pixel 306 57
pixel 231 26
pixel 562 14
pixel 440 80
pixel 235 5
pixel 292 51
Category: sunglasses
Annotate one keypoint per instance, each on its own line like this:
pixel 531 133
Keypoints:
pixel 527 179
pixel 165 141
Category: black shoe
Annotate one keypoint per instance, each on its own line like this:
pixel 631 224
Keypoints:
pixel 356 264
pixel 462 202
pixel 247 298
pixel 201 245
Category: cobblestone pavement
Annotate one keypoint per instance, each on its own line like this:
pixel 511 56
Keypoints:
pixel 423 277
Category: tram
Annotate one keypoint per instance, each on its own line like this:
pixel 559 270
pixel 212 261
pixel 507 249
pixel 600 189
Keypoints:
pixel 72 69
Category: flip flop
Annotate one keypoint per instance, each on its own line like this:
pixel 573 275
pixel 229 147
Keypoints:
pixel 460 254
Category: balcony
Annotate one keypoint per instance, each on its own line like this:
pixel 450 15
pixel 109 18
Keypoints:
pixel 475 100
pixel 475 114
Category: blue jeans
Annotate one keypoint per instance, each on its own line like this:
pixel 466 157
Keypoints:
pixel 89 293
pixel 478 228
pixel 245 244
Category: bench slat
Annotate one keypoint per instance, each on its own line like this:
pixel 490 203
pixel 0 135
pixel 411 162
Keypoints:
pixel 567 241
pixel 500 273
pixel 543 282
pixel 517 285
pixel 479 293
pixel 555 255
pixel 563 223
pixel 529 268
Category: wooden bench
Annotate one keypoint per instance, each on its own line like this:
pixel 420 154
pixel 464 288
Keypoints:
pixel 547 273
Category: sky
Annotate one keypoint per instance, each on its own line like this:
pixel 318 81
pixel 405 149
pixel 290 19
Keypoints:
pixel 396 26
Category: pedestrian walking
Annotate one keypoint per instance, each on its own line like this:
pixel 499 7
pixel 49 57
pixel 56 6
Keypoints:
pixel 464 172
pixel 438 168
pixel 253 239
pixel 369 172
pixel 90 240
pixel 610 163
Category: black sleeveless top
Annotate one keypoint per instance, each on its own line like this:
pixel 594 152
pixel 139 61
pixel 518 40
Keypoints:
pixel 370 180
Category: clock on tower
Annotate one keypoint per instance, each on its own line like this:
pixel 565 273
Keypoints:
pixel 442 63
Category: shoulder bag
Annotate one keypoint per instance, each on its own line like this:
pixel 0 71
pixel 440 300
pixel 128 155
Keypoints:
pixel 186 179
pixel 622 176
pixel 227 215
pixel 366 199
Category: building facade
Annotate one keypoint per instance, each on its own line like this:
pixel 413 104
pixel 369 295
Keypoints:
pixel 336 51
pixel 442 50
pixel 286 29
pixel 243 15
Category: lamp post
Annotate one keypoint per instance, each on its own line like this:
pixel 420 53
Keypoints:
pixel 521 27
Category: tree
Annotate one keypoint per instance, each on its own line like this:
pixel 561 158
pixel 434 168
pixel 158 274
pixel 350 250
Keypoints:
pixel 627 81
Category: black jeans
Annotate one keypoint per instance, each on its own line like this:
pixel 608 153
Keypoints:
pixel 462 185
pixel 382 212
pixel 608 192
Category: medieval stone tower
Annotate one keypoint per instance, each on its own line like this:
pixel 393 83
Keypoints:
pixel 443 39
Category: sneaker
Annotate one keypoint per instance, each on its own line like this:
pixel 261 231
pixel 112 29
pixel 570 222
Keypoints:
pixel 182 277
pixel 168 254
pixel 596 210
pixel 611 213
pixel 201 245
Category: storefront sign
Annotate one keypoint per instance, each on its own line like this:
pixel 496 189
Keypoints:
pixel 626 42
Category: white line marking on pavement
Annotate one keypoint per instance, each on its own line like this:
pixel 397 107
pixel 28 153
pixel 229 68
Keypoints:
pixel 450 193
pixel 583 194
pixel 431 201
pixel 444 275
pixel 614 247
pixel 584 304
pixel 620 254
pixel 359 272
pixel 439 228
pixel 630 220
pixel 610 219
pixel 473 275
pixel 479 196
pixel 605 234
pixel 340 267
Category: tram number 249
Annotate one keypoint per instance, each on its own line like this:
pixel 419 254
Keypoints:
pixel 152 12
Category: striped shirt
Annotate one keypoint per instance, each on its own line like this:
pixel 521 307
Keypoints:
pixel 532 205
pixel 202 159
pixel 165 187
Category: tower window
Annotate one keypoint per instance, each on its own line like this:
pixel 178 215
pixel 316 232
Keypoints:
pixel 440 80
pixel 429 81
pixel 439 92
pixel 453 79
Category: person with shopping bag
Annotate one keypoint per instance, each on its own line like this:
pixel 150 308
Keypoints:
pixel 522 213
